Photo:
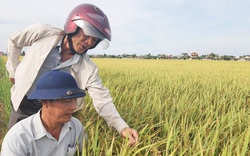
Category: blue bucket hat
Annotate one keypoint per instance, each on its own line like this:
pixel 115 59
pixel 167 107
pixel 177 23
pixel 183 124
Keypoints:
pixel 56 85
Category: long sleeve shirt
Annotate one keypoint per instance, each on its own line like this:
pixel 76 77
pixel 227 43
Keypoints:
pixel 40 40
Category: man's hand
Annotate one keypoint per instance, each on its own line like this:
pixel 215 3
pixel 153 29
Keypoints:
pixel 12 80
pixel 131 134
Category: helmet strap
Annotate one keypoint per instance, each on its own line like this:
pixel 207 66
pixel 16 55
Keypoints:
pixel 71 47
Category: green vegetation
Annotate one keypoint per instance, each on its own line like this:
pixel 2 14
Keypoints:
pixel 4 99
pixel 179 107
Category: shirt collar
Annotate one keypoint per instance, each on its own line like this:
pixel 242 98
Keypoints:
pixel 75 61
pixel 76 66
pixel 40 131
pixel 59 45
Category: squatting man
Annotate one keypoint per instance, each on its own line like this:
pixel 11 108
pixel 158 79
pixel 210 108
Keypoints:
pixel 52 130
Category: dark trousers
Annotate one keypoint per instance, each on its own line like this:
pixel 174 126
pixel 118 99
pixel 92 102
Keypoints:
pixel 26 108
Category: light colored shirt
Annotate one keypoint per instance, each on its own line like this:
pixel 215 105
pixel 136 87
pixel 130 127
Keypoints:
pixel 41 40
pixel 29 138
pixel 52 62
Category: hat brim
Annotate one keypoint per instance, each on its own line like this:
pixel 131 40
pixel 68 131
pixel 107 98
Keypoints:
pixel 56 94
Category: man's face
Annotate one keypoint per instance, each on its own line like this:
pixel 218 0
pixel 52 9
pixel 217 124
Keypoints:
pixel 82 42
pixel 61 110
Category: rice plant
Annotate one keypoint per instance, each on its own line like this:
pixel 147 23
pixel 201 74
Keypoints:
pixel 179 107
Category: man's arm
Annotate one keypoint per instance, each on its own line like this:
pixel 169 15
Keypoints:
pixel 13 146
pixel 104 106
pixel 24 38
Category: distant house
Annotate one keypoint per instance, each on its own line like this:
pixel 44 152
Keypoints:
pixel 194 55
pixel 244 58
pixel 184 56
pixel 2 53
pixel 162 56
pixel 247 58
pixel 97 56
pixel 170 56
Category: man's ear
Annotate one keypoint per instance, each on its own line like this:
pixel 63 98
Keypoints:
pixel 45 103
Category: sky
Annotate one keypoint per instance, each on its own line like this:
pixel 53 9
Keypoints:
pixel 141 27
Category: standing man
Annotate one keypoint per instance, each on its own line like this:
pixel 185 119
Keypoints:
pixel 53 48
pixel 52 130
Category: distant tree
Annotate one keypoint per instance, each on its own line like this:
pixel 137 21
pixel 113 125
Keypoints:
pixel 112 56
pixel 212 56
pixel 227 58
pixel 124 55
pixel 203 56
pixel 148 56
pixel 133 55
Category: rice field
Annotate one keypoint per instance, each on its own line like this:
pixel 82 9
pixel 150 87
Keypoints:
pixel 179 107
